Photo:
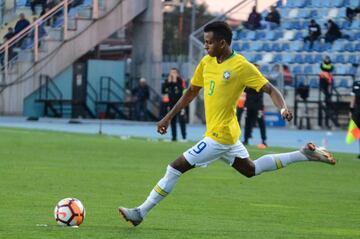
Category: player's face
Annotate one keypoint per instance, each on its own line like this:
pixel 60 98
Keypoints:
pixel 211 45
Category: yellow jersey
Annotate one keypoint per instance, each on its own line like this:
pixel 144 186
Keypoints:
pixel 223 84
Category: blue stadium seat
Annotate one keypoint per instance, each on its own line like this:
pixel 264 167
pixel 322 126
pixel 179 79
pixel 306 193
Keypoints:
pixel 298 36
pixel 288 58
pixel 309 59
pixel 245 46
pixel 304 14
pixel 341 69
pixel 285 47
pixel 338 3
pixel 349 47
pixel 296 25
pixel 353 60
pixel 300 3
pixel 354 3
pixel 313 14
pixel 340 59
pixel 343 83
pixel 355 25
pixel 286 25
pixel 338 46
pixel 270 35
pixel 256 46
pixel 316 69
pixel 297 69
pixel 296 46
pixel 260 35
pixel 277 58
pixel 276 47
pixel 357 47
pixel 257 57
pixel 236 46
pixel 251 35
pixel 299 59
pixel 318 58
pixel 308 69
pixel 357 36
pixel 342 13
pixel 266 47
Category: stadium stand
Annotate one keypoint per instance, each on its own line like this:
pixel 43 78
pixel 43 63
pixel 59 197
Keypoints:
pixel 285 45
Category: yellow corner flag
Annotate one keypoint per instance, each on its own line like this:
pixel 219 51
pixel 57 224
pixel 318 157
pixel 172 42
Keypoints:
pixel 353 132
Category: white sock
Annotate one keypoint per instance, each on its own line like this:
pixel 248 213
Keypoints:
pixel 161 190
pixel 272 162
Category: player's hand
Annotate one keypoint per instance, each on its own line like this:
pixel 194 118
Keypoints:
pixel 162 126
pixel 286 115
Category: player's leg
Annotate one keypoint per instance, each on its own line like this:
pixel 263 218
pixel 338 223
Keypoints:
pixel 203 153
pixel 272 162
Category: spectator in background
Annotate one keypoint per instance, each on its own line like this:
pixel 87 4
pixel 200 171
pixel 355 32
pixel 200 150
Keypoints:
pixel 351 13
pixel 174 88
pixel 333 31
pixel 254 105
pixel 20 25
pixel 10 33
pixel 272 20
pixel 141 95
pixel 33 4
pixel 326 85
pixel 314 33
pixel 254 20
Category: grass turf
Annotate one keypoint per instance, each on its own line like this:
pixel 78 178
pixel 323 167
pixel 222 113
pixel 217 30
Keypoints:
pixel 38 168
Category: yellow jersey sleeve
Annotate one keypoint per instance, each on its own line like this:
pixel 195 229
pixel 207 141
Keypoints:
pixel 198 78
pixel 253 78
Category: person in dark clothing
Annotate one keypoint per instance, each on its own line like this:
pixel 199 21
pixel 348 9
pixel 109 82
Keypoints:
pixel 7 37
pixel 351 13
pixel 254 105
pixel 9 34
pixel 141 94
pixel 254 20
pixel 333 33
pixel 20 25
pixel 174 88
pixel 314 33
pixel 355 105
pixel 326 85
pixel 33 4
pixel 273 19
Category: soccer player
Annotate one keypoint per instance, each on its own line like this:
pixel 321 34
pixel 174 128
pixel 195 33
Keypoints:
pixel 223 74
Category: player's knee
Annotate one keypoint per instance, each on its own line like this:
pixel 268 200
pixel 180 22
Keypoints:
pixel 249 174
pixel 181 164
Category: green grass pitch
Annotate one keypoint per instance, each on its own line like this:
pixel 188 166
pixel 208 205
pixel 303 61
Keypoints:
pixel 38 168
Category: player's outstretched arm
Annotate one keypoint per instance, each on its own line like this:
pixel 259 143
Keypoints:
pixel 278 100
pixel 184 101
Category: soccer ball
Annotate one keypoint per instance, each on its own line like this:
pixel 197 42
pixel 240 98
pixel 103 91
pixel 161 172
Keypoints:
pixel 69 212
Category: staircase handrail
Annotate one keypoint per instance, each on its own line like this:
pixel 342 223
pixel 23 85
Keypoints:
pixel 48 80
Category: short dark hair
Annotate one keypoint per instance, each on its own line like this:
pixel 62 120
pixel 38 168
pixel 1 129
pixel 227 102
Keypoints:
pixel 221 31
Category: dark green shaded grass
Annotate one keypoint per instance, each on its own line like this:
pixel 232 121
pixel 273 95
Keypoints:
pixel 38 168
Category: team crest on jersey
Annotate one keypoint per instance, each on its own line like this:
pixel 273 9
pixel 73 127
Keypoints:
pixel 226 75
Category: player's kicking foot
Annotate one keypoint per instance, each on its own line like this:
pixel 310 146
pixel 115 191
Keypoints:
pixel 131 215
pixel 314 153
